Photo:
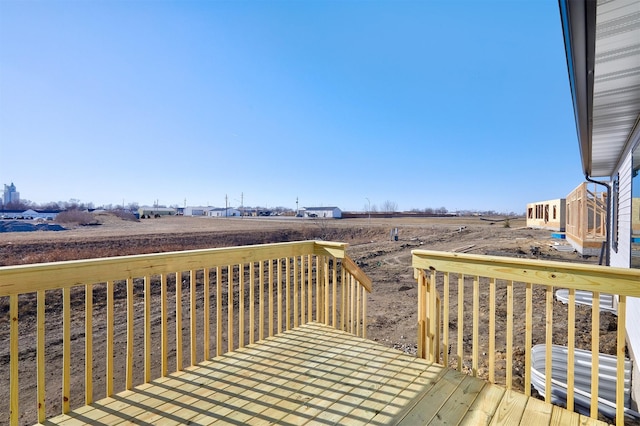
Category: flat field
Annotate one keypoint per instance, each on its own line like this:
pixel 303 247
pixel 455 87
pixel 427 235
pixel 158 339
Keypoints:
pixel 392 306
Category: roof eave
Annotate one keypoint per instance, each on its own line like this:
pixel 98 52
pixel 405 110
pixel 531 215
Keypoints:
pixel 578 27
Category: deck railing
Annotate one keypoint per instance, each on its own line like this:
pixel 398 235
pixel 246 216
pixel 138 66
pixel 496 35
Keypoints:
pixel 481 314
pixel 145 315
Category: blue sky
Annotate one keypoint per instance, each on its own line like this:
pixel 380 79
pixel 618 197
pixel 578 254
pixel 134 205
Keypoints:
pixel 456 104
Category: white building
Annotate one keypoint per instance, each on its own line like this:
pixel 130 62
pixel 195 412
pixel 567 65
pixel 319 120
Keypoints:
pixel 322 212
pixel 196 211
pixel 605 88
pixel 224 212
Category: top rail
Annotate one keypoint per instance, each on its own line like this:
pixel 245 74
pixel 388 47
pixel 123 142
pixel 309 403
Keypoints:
pixel 29 278
pixel 563 274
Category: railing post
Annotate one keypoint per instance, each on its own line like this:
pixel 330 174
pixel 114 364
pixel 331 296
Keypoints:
pixel 422 289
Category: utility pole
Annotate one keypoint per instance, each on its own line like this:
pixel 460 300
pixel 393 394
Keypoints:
pixel 226 205
pixel 297 207
pixel 242 205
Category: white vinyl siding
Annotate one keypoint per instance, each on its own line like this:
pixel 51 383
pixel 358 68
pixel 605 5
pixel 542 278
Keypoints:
pixel 622 258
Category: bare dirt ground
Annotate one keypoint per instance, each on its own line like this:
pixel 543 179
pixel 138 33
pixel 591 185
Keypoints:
pixel 392 305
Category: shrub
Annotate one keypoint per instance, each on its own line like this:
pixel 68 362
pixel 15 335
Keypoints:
pixel 76 217
pixel 506 223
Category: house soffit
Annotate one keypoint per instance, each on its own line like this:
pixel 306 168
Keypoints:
pixel 616 83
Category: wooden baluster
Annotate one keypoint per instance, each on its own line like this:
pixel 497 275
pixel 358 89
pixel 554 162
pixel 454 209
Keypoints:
pixel 571 345
pixel 595 353
pixel 303 285
pixel 88 344
pixel 271 297
pixel 279 295
pixel 241 329
pixel 310 288
pixel 353 300
pixel 287 302
pixel 476 325
pixel 230 308
pixel 620 352
pixel 193 317
pixel 527 340
pixel 147 329
pixel 252 301
pixel 460 344
pixel 445 325
pixel 492 330
pixel 296 293
pixel 40 356
pixel 206 319
pixel 261 300
pixel 163 325
pixel 66 349
pixel 178 321
pixel 434 324
pixel 509 375
pixel 218 311
pixel 548 340
pixel 357 321
pixel 14 414
pixel 325 281
pixel 109 349
pixel 334 301
pixel 343 304
pixel 364 312
pixel 319 290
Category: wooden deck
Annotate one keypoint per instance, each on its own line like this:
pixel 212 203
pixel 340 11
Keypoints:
pixel 318 375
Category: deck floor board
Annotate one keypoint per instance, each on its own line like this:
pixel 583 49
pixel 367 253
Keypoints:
pixel 316 375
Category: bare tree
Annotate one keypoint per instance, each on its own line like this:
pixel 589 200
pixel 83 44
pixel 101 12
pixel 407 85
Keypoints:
pixel 389 206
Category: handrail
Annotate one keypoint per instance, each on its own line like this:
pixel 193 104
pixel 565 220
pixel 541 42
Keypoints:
pixel 495 282
pixel 222 298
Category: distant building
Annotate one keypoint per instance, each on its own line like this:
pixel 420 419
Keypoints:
pixel 196 211
pixel 223 212
pixel 549 215
pixel 10 196
pixel 211 211
pixel 322 212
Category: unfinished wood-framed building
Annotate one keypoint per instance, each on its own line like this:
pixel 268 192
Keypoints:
pixel 586 227
pixel 549 215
